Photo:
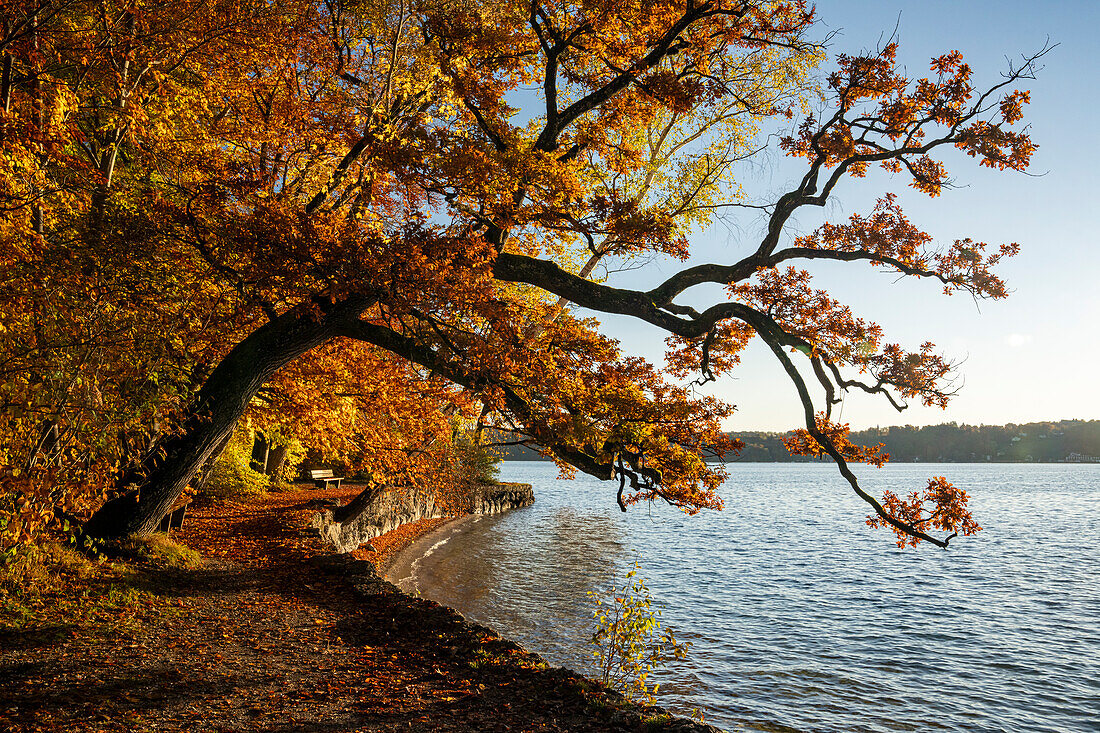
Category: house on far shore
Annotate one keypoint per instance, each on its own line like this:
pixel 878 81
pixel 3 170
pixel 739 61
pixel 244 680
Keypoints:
pixel 1080 458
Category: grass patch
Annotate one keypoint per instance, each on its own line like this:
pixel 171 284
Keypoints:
pixel 53 590
pixel 160 552
pixel 658 722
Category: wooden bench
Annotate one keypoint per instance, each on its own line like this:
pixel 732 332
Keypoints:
pixel 323 477
pixel 174 518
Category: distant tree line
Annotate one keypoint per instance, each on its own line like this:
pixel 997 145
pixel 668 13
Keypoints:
pixel 1042 442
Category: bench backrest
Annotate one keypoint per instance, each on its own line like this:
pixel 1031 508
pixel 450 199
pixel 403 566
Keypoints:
pixel 316 473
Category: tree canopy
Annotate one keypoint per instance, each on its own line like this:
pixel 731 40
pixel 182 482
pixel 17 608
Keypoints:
pixel 355 218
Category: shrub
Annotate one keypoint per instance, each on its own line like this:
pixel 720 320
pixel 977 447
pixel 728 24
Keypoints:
pixel 476 463
pixel 464 464
pixel 629 640
pixel 231 476
pixel 37 504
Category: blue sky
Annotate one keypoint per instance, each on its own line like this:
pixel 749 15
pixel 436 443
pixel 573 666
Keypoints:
pixel 1031 357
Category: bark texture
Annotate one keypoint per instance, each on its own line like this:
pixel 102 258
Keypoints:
pixel 172 463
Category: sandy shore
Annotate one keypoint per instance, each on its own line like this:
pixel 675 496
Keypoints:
pixel 399 568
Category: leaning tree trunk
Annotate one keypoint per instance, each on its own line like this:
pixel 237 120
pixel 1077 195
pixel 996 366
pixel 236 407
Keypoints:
pixel 225 395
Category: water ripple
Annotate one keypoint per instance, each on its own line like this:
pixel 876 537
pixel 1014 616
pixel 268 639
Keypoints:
pixel 802 619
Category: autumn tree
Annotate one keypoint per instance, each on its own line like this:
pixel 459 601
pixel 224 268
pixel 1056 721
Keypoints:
pixel 202 201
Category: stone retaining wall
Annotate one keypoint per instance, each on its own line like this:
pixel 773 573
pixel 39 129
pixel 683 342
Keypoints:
pixel 497 498
pixel 401 504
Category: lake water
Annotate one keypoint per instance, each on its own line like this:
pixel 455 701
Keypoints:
pixel 801 617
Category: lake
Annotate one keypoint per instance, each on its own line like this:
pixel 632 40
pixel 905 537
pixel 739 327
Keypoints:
pixel 801 617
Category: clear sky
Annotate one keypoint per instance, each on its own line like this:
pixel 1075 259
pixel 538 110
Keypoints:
pixel 1031 357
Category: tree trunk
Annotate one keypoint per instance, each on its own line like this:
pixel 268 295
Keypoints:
pixel 6 84
pixel 276 457
pixel 261 449
pixel 169 466
pixel 203 476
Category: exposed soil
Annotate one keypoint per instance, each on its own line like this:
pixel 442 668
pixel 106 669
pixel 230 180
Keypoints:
pixel 274 634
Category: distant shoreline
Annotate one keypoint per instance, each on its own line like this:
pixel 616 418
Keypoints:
pixel 1062 441
pixel 734 460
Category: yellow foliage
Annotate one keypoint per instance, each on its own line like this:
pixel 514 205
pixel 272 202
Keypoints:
pixel 231 476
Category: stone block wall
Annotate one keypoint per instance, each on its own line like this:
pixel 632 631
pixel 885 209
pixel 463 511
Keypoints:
pixel 399 505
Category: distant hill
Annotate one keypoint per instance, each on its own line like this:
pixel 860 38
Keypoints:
pixel 519 453
pixel 1041 442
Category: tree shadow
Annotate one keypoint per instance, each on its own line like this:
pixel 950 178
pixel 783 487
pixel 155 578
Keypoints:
pixel 36 638
pixel 74 695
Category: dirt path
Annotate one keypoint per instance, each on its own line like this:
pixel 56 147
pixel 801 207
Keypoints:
pixel 271 636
